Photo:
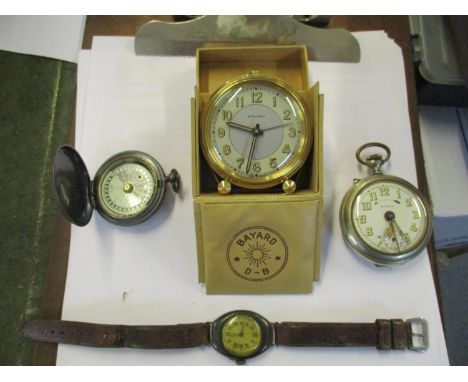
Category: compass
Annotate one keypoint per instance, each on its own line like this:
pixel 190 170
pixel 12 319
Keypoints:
pixel 384 218
pixel 128 187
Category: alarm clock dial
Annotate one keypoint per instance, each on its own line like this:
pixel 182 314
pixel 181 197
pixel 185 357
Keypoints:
pixel 256 133
pixel 390 217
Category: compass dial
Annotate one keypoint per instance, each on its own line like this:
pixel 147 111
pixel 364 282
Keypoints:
pixel 127 189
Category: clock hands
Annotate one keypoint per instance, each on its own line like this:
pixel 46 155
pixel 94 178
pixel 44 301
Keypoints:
pixel 251 129
pixel 394 236
pixel 275 127
pixel 405 238
pixel 239 126
pixel 394 228
pixel 256 132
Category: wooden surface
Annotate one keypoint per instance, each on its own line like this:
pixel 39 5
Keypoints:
pixel 397 27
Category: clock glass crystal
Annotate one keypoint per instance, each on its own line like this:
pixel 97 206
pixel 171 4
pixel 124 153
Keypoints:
pixel 389 217
pixel 255 132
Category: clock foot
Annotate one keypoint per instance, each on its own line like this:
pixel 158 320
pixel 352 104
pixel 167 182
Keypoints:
pixel 224 187
pixel 289 186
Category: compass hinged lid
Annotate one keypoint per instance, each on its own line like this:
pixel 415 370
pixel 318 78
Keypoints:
pixel 73 186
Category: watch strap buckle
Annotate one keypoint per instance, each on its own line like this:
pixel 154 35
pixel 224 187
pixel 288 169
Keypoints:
pixel 417 334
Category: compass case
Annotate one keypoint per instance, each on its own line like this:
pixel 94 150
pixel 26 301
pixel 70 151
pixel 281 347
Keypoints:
pixel 257 241
pixel 73 187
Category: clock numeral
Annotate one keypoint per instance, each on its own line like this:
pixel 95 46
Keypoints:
pixel 384 191
pixel 287 115
pixel 240 161
pixel 227 115
pixel 414 228
pixel 256 167
pixel 265 271
pixel 416 214
pixel 221 132
pixel 409 203
pixel 406 238
pixel 226 149
pixel 373 196
pixel 366 206
pixel 362 219
pixel 239 101
pixel 248 271
pixel 274 101
pixel 292 132
pixel 398 194
pixel 257 97
pixel 286 149
pixel 273 163
pixel 369 231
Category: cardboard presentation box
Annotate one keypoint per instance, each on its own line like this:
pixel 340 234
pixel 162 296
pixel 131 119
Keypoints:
pixel 257 241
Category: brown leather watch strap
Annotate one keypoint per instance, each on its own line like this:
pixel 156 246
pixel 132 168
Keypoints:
pixel 110 336
pixel 383 334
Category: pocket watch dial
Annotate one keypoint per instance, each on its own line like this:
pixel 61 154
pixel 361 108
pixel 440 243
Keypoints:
pixel 241 336
pixel 127 189
pixel 389 217
pixel 256 132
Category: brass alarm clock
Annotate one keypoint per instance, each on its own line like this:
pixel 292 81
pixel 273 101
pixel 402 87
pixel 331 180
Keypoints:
pixel 256 133
pixel 384 218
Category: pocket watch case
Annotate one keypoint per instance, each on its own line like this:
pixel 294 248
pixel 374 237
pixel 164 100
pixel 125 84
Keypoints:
pixel 257 240
pixel 127 189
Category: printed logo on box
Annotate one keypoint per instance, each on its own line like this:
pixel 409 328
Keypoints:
pixel 257 253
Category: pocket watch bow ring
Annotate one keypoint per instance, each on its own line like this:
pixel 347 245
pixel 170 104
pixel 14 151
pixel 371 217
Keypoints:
pixel 384 218
pixel 128 187
pixel 255 133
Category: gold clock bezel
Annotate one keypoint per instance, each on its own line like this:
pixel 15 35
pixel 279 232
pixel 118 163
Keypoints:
pixel 256 182
pixel 355 241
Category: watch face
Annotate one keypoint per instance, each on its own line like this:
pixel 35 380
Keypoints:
pixel 241 334
pixel 129 187
pixel 255 132
pixel 389 220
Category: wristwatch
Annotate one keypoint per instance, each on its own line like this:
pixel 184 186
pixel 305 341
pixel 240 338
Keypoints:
pixel 239 334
